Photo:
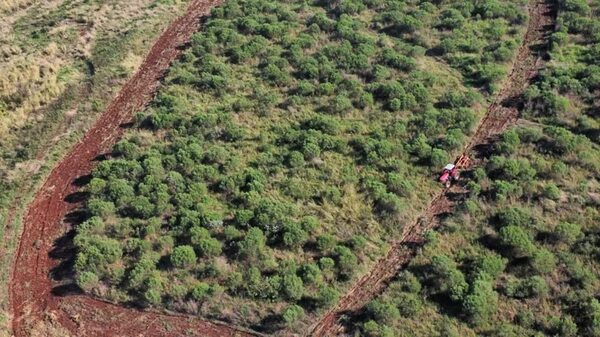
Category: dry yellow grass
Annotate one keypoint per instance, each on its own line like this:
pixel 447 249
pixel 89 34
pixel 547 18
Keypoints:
pixel 29 78
pixel 8 6
pixel 26 84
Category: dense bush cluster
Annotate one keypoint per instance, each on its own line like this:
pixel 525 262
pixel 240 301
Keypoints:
pixel 284 149
pixel 520 257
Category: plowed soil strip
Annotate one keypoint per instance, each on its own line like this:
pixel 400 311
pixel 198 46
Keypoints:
pixel 31 295
pixel 501 113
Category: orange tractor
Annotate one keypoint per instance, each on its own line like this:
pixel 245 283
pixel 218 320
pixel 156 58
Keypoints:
pixel 450 172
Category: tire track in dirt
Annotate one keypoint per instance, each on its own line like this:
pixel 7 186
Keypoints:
pixel 501 113
pixel 31 298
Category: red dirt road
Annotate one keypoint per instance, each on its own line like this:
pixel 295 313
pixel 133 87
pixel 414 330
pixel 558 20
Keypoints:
pixel 499 115
pixel 31 297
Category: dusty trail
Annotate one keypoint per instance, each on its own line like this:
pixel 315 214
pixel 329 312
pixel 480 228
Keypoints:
pixel 501 113
pixel 35 309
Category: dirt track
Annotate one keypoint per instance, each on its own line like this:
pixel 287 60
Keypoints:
pixel 36 310
pixel 501 113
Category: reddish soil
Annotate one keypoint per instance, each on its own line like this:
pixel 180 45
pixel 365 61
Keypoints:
pixel 501 113
pixel 31 288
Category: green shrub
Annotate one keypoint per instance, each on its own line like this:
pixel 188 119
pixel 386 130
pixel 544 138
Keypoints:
pixel 481 302
pixel 534 286
pixel 310 224
pixel 326 243
pixel 202 241
pixel 383 311
pixel 517 240
pixel 293 235
pixel 153 296
pixel 543 261
pixel 200 292
pixel 372 329
pixel 568 233
pixel 327 296
pixel 183 256
pixel 515 216
pixel 346 261
pixel 231 233
pixel 409 282
pixel 490 264
pixel 408 304
pixel 449 278
pixel 438 158
pixel 87 281
pixel 551 191
pixel 253 244
pixel 292 287
pixel 564 326
pixel 509 142
pixel 296 159
pixel 292 314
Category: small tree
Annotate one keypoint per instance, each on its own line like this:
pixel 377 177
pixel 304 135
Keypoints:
pixel 292 314
pixel 327 266
pixel 292 287
pixel 481 302
pixel 326 243
pixel 383 311
pixel 294 236
pixel 87 280
pixel 311 274
pixel 206 245
pixel 200 292
pixel 568 233
pixel 346 261
pixel 253 245
pixel 408 304
pixel 490 264
pixel 183 256
pixel 517 240
pixel 327 296
pixel 543 261
pixel 551 191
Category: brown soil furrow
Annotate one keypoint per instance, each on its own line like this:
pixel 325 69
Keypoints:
pixel 501 113
pixel 31 288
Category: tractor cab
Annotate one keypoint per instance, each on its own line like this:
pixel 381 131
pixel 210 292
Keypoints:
pixel 449 174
